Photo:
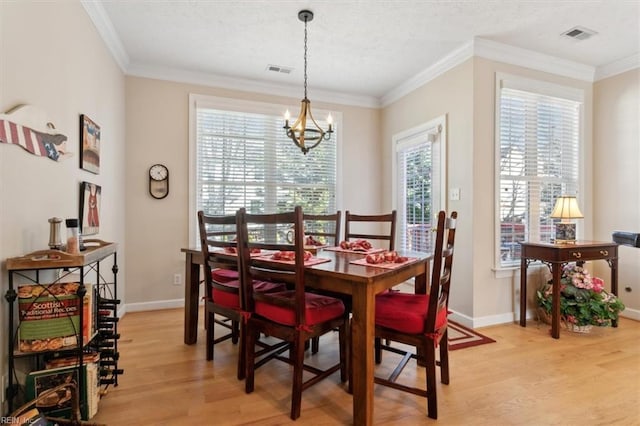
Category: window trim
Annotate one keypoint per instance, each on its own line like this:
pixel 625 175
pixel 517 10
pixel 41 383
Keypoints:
pixel 505 80
pixel 239 105
pixel 435 127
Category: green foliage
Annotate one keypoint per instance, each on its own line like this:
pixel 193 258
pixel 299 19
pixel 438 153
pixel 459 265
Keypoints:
pixel 583 301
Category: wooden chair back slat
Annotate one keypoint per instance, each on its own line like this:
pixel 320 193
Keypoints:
pixel 388 219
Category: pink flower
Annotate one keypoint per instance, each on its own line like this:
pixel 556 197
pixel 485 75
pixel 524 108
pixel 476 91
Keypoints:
pixel 571 319
pixel 598 284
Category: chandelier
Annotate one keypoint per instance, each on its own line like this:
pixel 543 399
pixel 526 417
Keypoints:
pixel 306 138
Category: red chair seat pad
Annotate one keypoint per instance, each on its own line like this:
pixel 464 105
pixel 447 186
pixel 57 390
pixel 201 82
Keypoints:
pixel 224 275
pixel 231 298
pixel 405 312
pixel 318 309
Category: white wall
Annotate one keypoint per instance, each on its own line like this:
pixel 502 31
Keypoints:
pixel 616 165
pixel 52 57
pixel 450 94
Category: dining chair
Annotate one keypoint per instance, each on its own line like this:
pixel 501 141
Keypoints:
pixel 420 320
pixel 359 227
pixel 293 316
pixel 324 228
pixel 222 296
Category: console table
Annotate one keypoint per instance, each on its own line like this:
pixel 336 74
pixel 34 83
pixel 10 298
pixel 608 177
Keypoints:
pixel 557 255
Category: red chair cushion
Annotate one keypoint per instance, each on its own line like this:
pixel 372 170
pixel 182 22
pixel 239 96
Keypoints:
pixel 224 275
pixel 231 298
pixel 318 309
pixel 405 312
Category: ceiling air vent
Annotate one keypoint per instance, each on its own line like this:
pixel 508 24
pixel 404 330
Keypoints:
pixel 579 33
pixel 280 69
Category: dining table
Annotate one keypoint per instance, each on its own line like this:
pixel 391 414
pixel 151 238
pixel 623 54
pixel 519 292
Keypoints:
pixel 340 275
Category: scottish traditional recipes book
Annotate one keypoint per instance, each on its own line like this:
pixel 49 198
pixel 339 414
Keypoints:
pixel 50 316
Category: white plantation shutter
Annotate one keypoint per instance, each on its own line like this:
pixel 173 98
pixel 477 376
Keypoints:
pixel 244 159
pixel 539 152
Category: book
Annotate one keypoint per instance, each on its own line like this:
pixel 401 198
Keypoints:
pixel 72 360
pixel 59 403
pixel 50 316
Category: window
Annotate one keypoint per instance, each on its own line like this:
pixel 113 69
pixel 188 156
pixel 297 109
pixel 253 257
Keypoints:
pixel 241 157
pixel 419 181
pixel 538 136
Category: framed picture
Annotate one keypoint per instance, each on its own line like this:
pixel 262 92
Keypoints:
pixel 89 145
pixel 90 201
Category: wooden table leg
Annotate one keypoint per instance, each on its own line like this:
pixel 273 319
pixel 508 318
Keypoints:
pixel 523 291
pixel 613 264
pixel 363 327
pixel 191 294
pixel 556 268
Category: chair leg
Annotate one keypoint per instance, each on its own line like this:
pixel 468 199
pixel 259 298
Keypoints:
pixel 296 391
pixel 315 343
pixel 378 350
pixel 444 358
pixel 249 354
pixel 432 400
pixel 235 332
pixel 242 354
pixel 210 334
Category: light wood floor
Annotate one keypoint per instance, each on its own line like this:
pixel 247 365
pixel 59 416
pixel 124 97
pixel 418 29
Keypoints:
pixel 525 378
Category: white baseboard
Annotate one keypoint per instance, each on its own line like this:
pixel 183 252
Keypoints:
pixel 462 319
pixel 633 314
pixel 470 322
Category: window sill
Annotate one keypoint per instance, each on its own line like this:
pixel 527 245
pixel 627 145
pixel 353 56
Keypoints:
pixel 507 272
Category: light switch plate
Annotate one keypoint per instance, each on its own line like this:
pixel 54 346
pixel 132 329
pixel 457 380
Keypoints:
pixel 454 194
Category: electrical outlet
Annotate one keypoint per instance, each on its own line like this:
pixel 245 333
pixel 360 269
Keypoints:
pixel 177 279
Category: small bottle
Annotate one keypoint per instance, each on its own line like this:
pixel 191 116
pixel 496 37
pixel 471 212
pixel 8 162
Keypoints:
pixel 73 246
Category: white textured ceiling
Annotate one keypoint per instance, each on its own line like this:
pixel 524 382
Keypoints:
pixel 361 48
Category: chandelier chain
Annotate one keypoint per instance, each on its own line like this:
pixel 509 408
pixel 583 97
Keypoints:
pixel 305 58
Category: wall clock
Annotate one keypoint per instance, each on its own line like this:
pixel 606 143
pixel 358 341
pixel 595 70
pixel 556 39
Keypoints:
pixel 158 181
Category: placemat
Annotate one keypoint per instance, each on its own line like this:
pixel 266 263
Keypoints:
pixel 310 262
pixel 340 249
pixel 386 265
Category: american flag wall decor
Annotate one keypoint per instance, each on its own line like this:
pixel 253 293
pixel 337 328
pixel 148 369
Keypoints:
pixel 26 127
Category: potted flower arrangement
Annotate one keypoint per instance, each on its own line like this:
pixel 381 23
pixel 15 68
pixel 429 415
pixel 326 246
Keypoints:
pixel 583 300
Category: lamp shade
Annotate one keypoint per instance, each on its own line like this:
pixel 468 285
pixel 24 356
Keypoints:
pixel 566 208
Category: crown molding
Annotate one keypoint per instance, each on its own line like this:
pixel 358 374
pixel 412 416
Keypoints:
pixel 618 67
pixel 247 85
pixel 531 59
pixel 105 28
pixel 477 47
pixel 451 60
pixel 496 52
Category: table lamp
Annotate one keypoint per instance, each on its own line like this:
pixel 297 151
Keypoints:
pixel 566 208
